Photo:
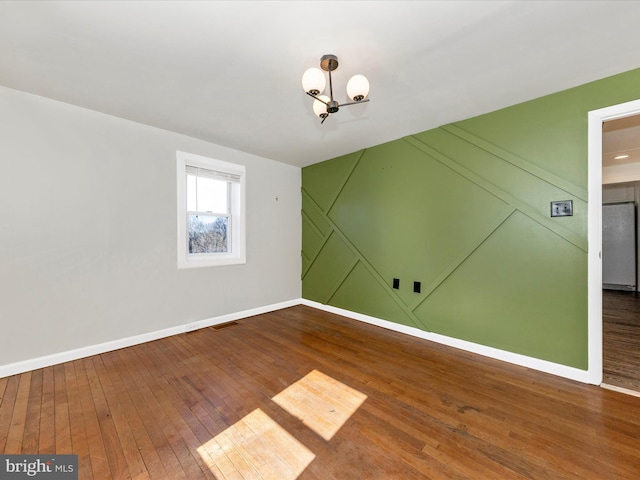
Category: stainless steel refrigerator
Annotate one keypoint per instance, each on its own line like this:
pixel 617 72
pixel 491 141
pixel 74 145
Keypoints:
pixel 619 246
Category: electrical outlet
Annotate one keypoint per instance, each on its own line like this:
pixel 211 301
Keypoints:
pixel 562 209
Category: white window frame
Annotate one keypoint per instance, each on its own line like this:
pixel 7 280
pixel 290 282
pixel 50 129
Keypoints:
pixel 237 227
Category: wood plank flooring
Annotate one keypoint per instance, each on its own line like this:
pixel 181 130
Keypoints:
pixel 304 394
pixel 621 339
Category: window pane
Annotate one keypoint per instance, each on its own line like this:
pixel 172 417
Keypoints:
pixel 208 234
pixel 212 195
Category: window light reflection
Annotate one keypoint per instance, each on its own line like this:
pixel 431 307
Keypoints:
pixel 321 402
pixel 256 447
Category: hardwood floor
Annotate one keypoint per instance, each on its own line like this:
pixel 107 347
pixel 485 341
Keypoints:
pixel 301 393
pixel 621 339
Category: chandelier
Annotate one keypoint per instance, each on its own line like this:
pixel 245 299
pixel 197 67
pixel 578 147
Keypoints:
pixel 314 83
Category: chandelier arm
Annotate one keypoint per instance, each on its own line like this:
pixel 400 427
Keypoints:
pixel 353 103
pixel 317 98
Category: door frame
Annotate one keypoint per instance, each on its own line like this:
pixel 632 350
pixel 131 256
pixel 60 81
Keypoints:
pixel 594 230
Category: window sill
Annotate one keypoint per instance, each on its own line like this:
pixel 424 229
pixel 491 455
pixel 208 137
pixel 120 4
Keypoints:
pixel 210 262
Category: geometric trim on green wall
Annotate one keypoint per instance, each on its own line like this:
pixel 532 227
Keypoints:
pixel 323 180
pixel 516 161
pixel 528 284
pixel 321 285
pixel 362 292
pixel 540 215
pixel 428 208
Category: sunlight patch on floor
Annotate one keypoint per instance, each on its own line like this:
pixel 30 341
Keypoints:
pixel 256 447
pixel 322 403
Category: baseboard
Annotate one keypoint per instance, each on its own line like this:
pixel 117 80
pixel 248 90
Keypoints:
pixel 57 358
pixel 615 388
pixel 514 358
pixel 497 354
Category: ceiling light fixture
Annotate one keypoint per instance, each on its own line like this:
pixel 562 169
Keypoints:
pixel 621 157
pixel 314 82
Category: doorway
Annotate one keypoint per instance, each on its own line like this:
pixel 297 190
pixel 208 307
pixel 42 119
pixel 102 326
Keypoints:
pixel 620 299
pixel 597 119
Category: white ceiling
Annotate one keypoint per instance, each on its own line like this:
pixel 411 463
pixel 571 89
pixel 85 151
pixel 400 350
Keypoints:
pixel 229 71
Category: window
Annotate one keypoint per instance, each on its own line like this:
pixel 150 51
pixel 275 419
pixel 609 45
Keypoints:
pixel 211 223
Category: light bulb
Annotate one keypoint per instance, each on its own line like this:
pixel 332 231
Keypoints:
pixel 358 88
pixel 313 81
pixel 319 108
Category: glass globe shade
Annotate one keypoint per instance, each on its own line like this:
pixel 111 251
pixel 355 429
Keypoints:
pixel 358 87
pixel 313 80
pixel 320 108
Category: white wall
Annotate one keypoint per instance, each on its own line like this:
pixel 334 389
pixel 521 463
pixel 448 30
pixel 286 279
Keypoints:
pixel 629 172
pixel 88 231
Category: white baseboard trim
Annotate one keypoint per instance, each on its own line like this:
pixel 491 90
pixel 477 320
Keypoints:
pixel 514 358
pixel 56 358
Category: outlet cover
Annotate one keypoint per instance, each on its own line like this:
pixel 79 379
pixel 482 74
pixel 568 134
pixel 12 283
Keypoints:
pixel 562 208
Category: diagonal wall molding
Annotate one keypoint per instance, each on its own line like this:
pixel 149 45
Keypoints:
pixel 335 230
pixel 516 161
pixel 498 192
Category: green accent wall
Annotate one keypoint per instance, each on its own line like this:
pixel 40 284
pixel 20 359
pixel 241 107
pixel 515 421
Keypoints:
pixel 464 209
